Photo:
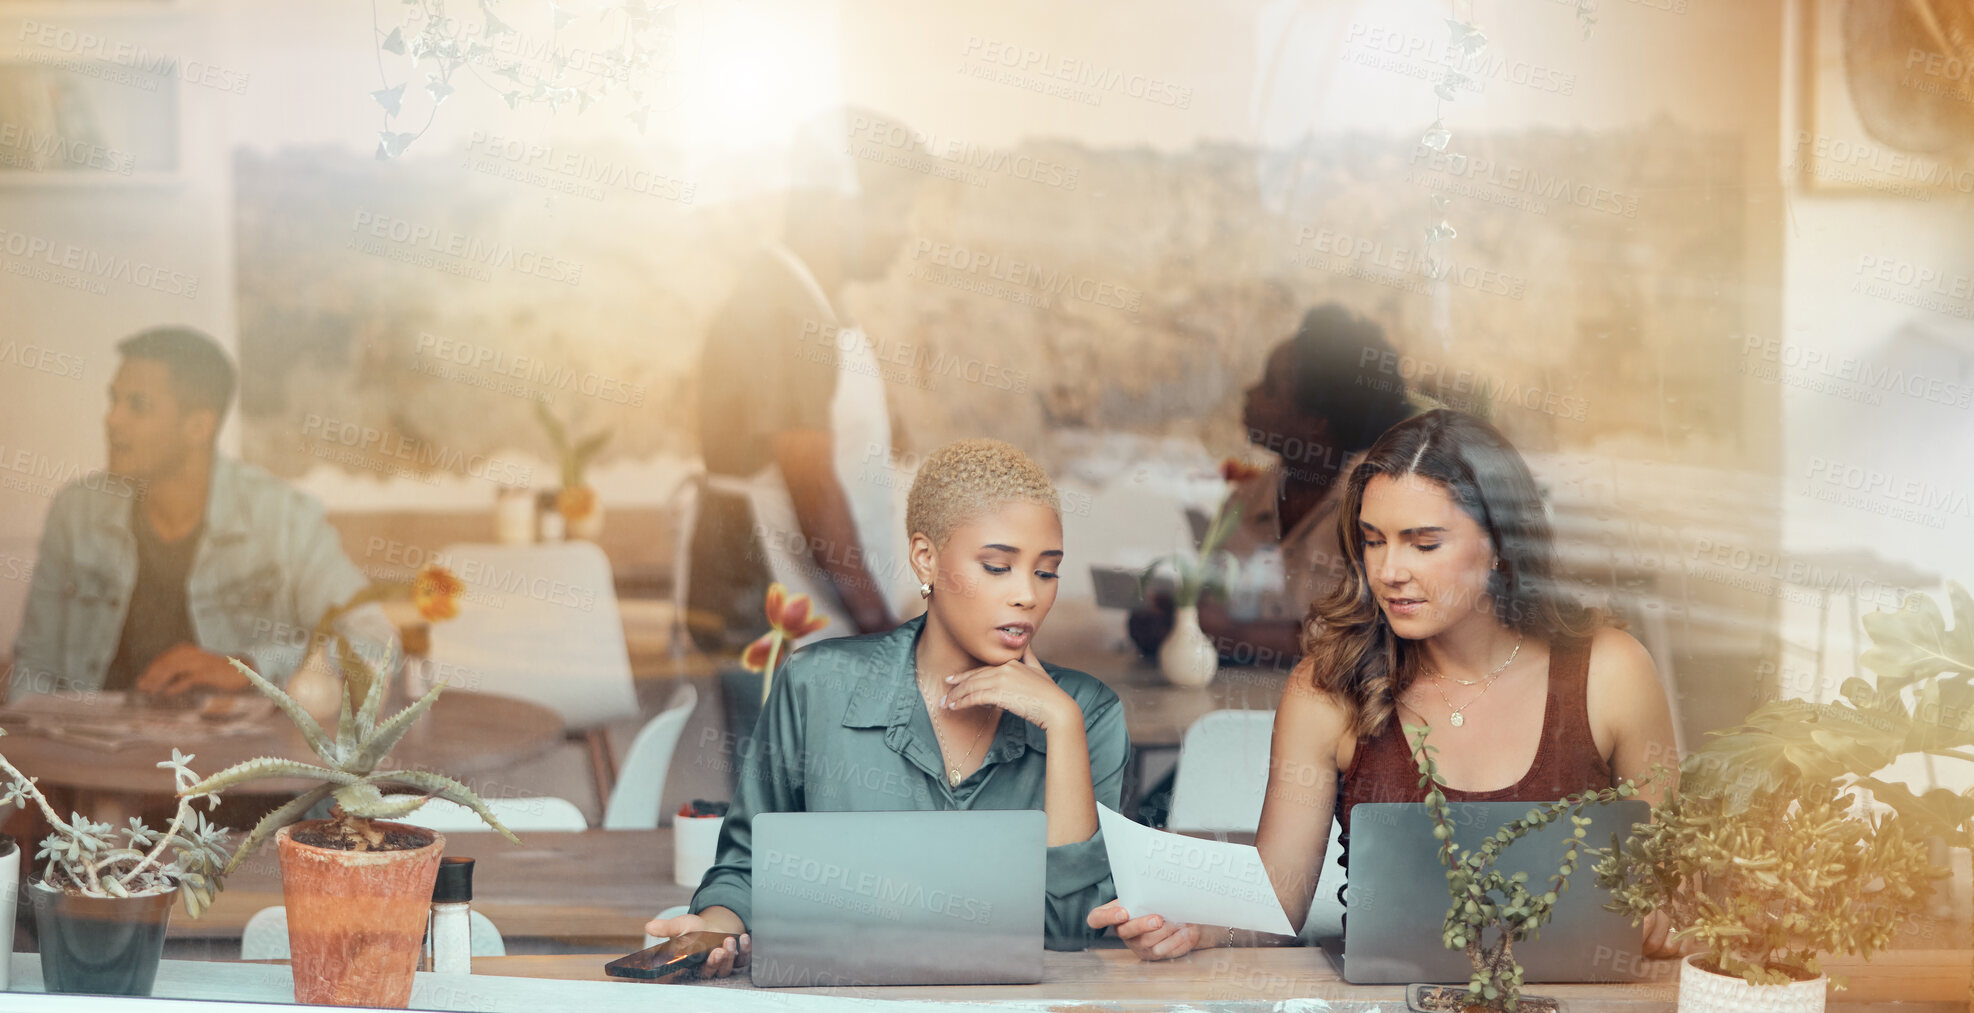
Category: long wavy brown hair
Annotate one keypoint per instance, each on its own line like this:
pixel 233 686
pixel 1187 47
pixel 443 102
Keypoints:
pixel 1357 658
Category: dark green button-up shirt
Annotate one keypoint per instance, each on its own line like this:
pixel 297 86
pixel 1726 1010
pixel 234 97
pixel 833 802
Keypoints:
pixel 844 729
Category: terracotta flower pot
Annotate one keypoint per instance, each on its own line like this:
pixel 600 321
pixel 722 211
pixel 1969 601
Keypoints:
pixel 356 919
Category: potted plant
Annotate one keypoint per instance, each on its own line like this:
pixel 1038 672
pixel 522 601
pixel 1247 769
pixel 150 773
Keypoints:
pixel 1768 827
pixel 318 683
pixel 1492 911
pixel 357 886
pixel 1189 657
pixel 102 898
pixel 575 500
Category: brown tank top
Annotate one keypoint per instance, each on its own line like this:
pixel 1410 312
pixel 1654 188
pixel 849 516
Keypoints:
pixel 1566 760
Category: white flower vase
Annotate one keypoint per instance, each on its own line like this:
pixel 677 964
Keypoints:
pixel 1188 658
pixel 1702 991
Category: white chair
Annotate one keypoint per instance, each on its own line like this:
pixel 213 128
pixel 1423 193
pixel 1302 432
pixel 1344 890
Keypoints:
pixel 1219 786
pixel 640 789
pixel 539 622
pixel 265 936
pixel 541 812
pixel 1223 772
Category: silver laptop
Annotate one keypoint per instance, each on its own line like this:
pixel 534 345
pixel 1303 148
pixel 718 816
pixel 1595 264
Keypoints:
pixel 898 898
pixel 1396 898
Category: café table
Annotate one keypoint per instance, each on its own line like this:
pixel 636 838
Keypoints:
pixel 464 734
pixel 594 888
pixel 1097 980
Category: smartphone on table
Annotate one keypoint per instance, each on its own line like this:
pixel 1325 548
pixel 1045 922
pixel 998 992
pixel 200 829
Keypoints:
pixel 669 959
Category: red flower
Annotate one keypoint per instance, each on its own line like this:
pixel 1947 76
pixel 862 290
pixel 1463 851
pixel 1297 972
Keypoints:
pixel 1236 471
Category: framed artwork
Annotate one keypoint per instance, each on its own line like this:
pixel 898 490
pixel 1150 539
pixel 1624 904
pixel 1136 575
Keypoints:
pixel 82 121
pixel 1888 98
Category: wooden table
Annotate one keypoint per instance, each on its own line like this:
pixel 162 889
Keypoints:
pixel 465 733
pixel 597 887
pixel 1922 978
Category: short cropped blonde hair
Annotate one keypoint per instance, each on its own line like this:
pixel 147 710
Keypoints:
pixel 966 479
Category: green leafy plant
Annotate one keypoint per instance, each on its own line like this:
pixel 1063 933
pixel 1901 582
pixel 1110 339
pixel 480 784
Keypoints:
pixel 1770 881
pixel 1771 816
pixel 82 856
pixel 574 453
pixel 1211 567
pixel 352 771
pixel 1491 911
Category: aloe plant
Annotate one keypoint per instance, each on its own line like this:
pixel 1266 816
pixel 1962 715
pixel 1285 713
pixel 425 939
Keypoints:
pixel 352 771
pixel 85 857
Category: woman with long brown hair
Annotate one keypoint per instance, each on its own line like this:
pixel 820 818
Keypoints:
pixel 1451 616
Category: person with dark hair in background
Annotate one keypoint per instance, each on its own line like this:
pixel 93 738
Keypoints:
pixel 793 414
pixel 154 573
pixel 1326 393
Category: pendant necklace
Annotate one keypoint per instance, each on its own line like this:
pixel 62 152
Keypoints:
pixel 1458 719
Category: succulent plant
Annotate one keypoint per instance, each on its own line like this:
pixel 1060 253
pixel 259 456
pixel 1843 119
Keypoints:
pixel 352 770
pixel 1484 899
pixel 95 859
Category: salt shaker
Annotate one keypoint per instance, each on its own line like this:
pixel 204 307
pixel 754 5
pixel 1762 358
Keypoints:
pixel 449 935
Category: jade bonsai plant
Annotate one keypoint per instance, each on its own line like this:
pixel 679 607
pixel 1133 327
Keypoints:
pixel 103 895
pixel 1491 911
pixel 1771 823
pixel 355 875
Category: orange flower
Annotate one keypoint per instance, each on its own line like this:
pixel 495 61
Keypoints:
pixel 437 593
pixel 1236 471
pixel 575 502
pixel 792 615
pixel 755 658
pixel 790 618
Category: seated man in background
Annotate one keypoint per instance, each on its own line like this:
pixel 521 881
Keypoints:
pixel 1326 394
pixel 152 577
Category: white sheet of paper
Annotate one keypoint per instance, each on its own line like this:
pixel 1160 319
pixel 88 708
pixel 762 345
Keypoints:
pixel 1189 880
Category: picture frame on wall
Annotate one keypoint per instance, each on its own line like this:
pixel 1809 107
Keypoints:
pixel 76 121
pixel 1887 100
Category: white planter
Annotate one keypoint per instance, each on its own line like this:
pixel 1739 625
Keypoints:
pixel 1706 992
pixel 1188 657
pixel 10 896
pixel 694 842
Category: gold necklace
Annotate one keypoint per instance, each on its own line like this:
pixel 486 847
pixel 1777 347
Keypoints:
pixel 1458 719
pixel 953 776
